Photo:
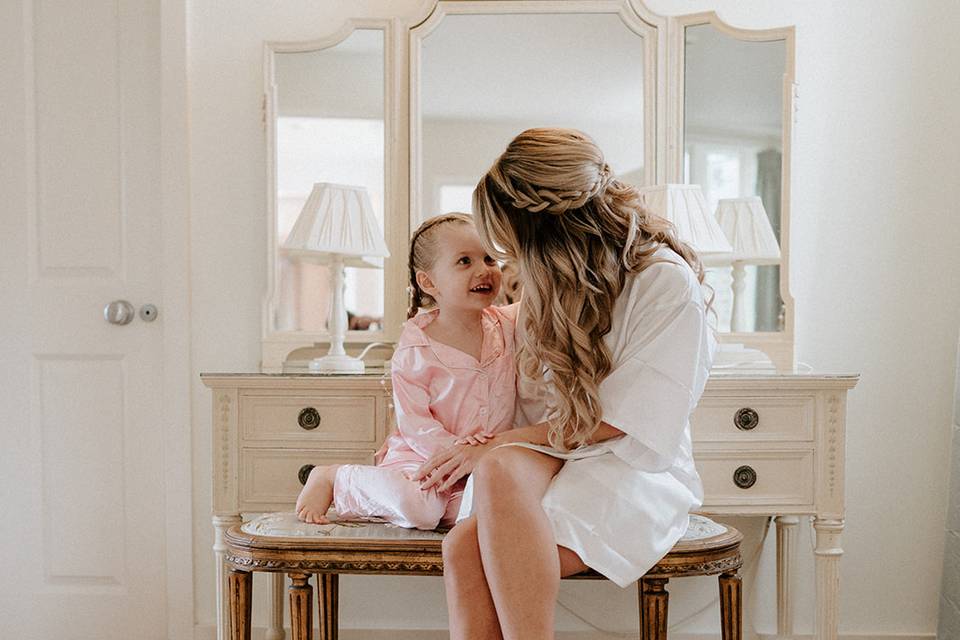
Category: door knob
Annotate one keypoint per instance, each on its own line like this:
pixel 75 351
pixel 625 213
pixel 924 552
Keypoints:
pixel 118 312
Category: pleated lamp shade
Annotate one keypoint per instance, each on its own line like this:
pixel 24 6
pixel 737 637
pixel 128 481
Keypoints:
pixel 747 227
pixel 685 206
pixel 337 220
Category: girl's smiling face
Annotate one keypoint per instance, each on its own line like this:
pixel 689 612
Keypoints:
pixel 463 276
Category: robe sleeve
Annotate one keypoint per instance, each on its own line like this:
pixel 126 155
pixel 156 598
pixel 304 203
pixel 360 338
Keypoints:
pixel 411 397
pixel 660 374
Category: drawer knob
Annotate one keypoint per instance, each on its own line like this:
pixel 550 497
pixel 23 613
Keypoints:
pixel 744 477
pixel 304 473
pixel 309 418
pixel 746 419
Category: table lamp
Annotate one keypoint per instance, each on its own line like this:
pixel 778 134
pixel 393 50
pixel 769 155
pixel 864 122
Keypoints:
pixel 685 206
pixel 337 228
pixel 746 226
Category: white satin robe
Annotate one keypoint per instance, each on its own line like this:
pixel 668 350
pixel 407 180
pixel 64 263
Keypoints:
pixel 623 503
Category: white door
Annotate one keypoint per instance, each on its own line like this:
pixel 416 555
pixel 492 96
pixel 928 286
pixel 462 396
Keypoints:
pixel 82 521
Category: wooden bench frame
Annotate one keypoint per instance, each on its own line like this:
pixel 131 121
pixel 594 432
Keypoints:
pixel 328 557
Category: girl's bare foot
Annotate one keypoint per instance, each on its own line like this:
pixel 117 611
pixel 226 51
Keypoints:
pixel 317 495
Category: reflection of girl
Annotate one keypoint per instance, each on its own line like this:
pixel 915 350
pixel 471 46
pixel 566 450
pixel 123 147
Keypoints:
pixel 453 382
pixel 614 351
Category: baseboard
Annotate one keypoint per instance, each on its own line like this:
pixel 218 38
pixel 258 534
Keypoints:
pixel 208 632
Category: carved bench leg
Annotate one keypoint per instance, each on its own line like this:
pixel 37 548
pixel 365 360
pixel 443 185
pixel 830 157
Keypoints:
pixel 301 607
pixel 731 606
pixel 328 588
pixel 653 608
pixel 241 601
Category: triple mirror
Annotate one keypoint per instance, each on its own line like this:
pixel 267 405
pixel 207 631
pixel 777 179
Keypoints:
pixel 708 104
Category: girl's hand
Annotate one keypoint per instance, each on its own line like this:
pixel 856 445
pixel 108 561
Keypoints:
pixel 444 469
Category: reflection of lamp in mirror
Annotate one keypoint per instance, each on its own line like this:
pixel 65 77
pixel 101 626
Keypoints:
pixel 685 206
pixel 746 226
pixel 337 228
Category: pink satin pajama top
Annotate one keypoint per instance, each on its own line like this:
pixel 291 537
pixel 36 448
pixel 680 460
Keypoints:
pixel 442 394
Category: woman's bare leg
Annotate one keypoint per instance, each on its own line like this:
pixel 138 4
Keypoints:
pixel 517 548
pixel 469 605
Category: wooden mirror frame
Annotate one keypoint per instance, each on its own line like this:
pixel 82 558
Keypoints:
pixel 277 346
pixel 663 133
pixel 778 345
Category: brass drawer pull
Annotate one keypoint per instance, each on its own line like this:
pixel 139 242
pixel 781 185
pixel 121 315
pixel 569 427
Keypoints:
pixel 304 473
pixel 746 419
pixel 309 418
pixel 744 477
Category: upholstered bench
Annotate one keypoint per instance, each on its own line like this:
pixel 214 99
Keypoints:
pixel 278 542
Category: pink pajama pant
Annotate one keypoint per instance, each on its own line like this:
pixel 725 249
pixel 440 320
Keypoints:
pixel 362 492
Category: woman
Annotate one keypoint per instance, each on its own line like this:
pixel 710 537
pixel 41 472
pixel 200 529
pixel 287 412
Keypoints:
pixel 613 351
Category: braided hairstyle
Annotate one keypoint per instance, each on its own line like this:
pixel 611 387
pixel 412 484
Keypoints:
pixel 423 254
pixel 551 203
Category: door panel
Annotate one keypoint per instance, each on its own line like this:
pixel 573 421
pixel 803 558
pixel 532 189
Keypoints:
pixel 87 513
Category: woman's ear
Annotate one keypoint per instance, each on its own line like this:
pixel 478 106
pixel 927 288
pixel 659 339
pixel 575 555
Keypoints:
pixel 426 284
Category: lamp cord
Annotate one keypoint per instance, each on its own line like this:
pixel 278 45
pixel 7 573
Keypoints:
pixel 371 346
pixel 633 634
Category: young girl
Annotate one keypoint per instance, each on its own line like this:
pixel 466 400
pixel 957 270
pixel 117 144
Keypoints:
pixel 453 378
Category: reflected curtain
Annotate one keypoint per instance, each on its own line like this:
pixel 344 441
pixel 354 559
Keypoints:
pixel 769 306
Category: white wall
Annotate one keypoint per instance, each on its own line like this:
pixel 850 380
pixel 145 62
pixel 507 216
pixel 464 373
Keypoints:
pixel 874 272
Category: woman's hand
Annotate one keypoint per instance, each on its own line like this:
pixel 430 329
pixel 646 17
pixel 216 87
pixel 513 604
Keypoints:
pixel 444 469
pixel 480 438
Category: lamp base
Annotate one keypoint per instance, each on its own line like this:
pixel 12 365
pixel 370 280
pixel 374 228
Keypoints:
pixel 336 364
pixel 735 356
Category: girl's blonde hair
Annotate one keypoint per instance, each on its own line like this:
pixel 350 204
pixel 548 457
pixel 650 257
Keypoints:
pixel 552 204
pixel 423 255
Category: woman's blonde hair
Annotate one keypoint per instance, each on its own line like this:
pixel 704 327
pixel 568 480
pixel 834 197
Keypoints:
pixel 423 255
pixel 552 204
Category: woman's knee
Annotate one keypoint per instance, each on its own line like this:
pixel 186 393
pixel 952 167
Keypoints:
pixel 514 471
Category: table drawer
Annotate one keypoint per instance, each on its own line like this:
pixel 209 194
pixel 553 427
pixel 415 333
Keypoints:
pixel 767 477
pixel 345 421
pixel 753 418
pixel 271 476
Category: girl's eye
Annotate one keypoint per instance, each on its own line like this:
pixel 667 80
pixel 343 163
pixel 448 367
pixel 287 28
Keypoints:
pixel 463 260
pixel 489 260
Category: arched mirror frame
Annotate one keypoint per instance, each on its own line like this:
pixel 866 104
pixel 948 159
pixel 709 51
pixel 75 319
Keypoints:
pixel 778 345
pixel 278 347
pixel 663 131
pixel 635 18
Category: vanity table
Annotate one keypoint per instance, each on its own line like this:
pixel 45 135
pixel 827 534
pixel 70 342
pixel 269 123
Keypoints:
pixel 425 102
pixel 763 444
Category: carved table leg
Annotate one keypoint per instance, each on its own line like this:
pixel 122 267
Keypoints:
pixel 275 630
pixel 731 606
pixel 328 591
pixel 786 559
pixel 301 607
pixel 220 525
pixel 241 601
pixel 828 554
pixel 653 608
